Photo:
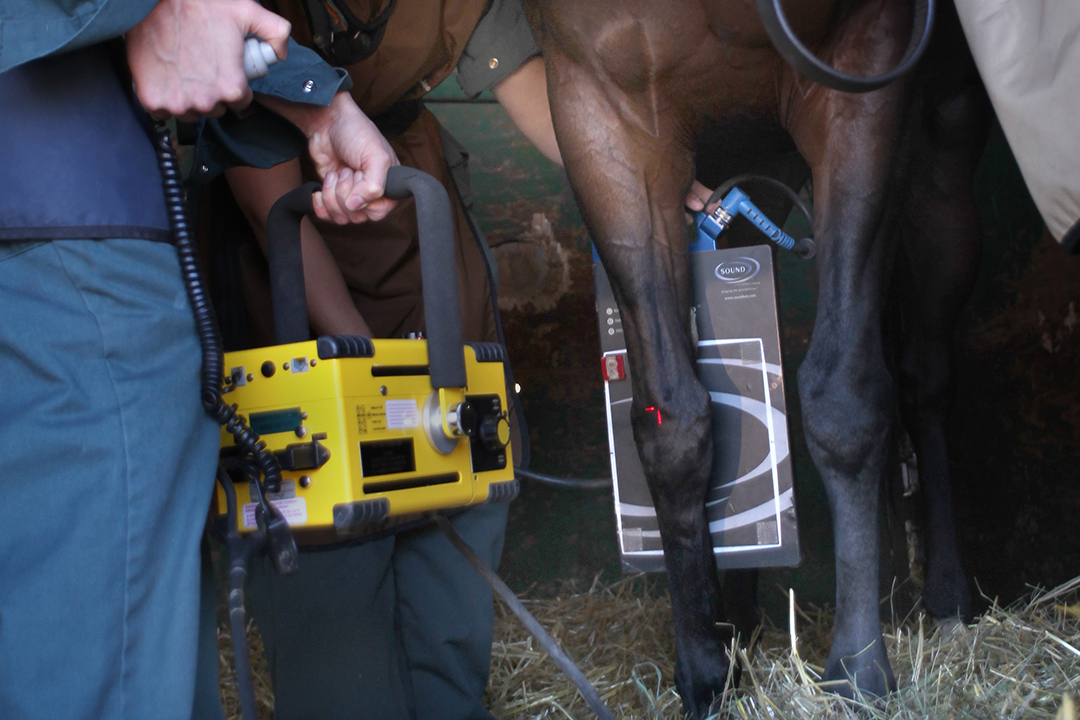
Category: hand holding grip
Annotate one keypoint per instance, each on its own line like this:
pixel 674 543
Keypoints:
pixel 438 269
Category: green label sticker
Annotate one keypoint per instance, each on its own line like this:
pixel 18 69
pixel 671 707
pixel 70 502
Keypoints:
pixel 275 421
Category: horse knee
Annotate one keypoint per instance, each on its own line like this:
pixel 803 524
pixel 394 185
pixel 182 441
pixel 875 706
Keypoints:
pixel 675 438
pixel 675 448
pixel 847 415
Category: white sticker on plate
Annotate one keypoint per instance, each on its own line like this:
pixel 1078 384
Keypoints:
pixel 288 490
pixel 294 510
pixel 402 414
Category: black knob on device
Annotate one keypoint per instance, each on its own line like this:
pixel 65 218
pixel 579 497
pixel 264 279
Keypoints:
pixel 462 419
pixel 495 432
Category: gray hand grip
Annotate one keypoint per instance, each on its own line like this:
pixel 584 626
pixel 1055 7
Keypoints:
pixel 438 269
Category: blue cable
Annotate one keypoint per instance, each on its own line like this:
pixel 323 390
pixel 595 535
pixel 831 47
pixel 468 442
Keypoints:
pixel 738 203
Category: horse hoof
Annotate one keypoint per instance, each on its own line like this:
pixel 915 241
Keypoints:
pixel 701 695
pixel 950 627
pixel 864 675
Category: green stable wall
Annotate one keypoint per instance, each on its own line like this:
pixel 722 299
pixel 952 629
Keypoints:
pixel 1014 431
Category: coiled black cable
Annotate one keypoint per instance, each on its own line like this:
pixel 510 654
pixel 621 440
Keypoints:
pixel 272 526
pixel 213 359
pixel 283 550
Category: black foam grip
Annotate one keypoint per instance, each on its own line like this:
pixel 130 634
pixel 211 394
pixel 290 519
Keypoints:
pixel 488 351
pixel 330 347
pixel 438 268
pixel 285 256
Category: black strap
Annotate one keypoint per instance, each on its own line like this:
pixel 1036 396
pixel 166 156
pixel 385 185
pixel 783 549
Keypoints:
pixel 340 37
pixel 85 232
pixel 397 118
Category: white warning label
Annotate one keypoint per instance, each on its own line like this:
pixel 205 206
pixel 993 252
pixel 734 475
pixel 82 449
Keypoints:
pixel 402 414
pixel 293 509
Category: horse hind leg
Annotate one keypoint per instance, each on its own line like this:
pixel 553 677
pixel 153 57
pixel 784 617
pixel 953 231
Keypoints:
pixel 941 243
pixel 740 595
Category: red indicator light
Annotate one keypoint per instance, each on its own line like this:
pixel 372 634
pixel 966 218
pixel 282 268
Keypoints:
pixel 613 367
pixel 652 408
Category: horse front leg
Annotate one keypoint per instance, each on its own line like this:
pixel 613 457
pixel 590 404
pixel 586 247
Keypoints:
pixel 671 419
pixel 672 425
pixel 848 404
pixel 630 182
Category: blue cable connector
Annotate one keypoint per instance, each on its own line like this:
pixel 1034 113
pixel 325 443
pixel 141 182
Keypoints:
pixel 737 202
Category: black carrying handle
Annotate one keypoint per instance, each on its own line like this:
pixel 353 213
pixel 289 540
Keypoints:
pixel 438 269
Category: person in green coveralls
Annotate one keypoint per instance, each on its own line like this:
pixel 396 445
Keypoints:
pixel 108 456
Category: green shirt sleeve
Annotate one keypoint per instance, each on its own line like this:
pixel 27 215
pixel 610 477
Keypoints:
pixel 500 44
pixel 261 138
pixel 303 77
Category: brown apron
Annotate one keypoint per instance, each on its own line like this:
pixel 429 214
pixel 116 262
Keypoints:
pixel 420 48
pixel 380 261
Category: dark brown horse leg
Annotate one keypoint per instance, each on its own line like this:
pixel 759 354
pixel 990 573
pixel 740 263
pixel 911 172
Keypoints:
pixel 845 387
pixel 630 181
pixel 847 405
pixel 941 249
pixel 847 409
pixel 740 594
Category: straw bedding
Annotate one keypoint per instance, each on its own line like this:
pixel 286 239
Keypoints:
pixel 1021 661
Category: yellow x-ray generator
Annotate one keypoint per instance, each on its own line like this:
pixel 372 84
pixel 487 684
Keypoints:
pixel 363 429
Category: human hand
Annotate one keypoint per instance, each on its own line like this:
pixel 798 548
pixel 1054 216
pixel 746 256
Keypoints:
pixel 697 197
pixel 187 56
pixel 350 155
